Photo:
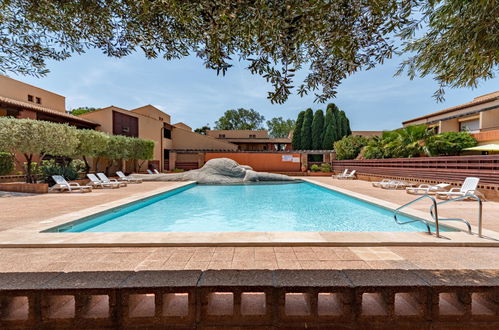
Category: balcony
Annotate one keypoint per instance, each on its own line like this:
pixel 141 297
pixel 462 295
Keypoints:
pixel 487 134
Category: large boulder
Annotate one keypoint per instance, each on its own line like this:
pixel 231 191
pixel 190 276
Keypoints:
pixel 217 171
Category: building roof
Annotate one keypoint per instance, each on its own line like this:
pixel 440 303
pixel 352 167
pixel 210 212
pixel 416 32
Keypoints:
pixel 367 133
pixel 476 101
pixel 38 108
pixel 257 140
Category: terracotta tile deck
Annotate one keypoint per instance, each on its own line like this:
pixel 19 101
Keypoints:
pixel 33 209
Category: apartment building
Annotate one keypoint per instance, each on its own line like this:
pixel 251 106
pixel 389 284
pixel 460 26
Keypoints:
pixel 251 140
pixel 174 143
pixel 479 117
pixel 21 100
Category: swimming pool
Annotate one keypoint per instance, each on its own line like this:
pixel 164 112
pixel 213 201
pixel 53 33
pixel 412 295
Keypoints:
pixel 246 208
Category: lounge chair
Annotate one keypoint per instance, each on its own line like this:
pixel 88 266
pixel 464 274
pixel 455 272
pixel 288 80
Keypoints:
pixel 61 185
pixel 105 179
pixel 426 189
pixel 124 178
pixel 156 171
pixel 347 176
pixel 149 172
pixel 382 182
pixel 468 188
pixel 396 184
pixel 95 182
pixel 345 172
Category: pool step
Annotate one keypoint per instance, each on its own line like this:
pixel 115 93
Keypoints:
pixel 231 298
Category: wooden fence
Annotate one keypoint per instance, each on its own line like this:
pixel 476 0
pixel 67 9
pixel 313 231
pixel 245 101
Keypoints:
pixel 454 168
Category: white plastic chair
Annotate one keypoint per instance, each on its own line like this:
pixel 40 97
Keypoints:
pixel 469 187
pixel 426 189
pixel 105 179
pixel 95 182
pixel 123 177
pixel 61 185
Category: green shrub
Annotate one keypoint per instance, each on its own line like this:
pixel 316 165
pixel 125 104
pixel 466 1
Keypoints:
pixel 349 147
pixel 325 167
pixel 178 170
pixel 68 171
pixel 6 163
pixel 450 143
pixel 315 168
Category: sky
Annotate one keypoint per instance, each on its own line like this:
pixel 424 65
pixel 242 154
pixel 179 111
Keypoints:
pixel 190 93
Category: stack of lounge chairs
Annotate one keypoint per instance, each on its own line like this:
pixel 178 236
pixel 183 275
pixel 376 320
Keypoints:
pixel 392 184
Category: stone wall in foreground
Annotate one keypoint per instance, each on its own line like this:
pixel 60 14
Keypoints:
pixel 395 299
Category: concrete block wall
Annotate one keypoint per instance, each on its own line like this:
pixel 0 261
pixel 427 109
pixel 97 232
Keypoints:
pixel 259 298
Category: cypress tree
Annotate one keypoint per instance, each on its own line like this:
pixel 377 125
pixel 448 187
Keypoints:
pixel 349 130
pixel 317 130
pixel 296 141
pixel 306 130
pixel 329 130
pixel 344 125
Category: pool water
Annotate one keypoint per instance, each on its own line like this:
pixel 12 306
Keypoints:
pixel 247 208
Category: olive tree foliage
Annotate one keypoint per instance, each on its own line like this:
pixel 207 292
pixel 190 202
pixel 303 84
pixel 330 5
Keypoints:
pixel 33 138
pixel 140 151
pixel 91 144
pixel 328 40
pixel 459 47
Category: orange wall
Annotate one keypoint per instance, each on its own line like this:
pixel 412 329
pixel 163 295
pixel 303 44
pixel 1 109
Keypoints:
pixel 259 161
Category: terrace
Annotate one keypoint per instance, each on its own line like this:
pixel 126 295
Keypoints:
pixel 193 278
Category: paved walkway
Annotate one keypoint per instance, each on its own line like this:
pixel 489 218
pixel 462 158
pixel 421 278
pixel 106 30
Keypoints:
pixel 28 209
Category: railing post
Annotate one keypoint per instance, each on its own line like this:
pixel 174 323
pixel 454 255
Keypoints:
pixel 437 228
pixel 479 217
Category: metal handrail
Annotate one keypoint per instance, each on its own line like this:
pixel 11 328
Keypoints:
pixel 478 199
pixel 434 202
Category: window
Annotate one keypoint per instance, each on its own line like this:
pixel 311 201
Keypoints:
pixel 30 98
pixel 470 126
pixel 252 136
pixel 38 100
pixel 221 136
pixel 167 133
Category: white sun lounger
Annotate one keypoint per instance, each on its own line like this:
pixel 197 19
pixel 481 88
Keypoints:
pixel 156 171
pixel 96 182
pixel 382 182
pixel 468 188
pixel 426 189
pixel 396 184
pixel 61 185
pixel 105 179
pixel 124 178
pixel 347 176
pixel 345 172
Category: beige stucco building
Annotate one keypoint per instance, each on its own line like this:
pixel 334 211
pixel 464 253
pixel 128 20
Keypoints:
pixel 173 143
pixel 479 117
pixel 176 146
pixel 251 140
pixel 21 100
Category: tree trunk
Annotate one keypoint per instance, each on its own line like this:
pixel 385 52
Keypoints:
pixel 27 168
pixel 87 166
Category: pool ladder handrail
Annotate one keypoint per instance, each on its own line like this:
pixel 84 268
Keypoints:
pixel 478 199
pixel 435 217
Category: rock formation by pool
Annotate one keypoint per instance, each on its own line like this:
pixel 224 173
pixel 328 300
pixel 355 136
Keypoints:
pixel 217 171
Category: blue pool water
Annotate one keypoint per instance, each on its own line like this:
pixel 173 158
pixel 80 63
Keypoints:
pixel 247 208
